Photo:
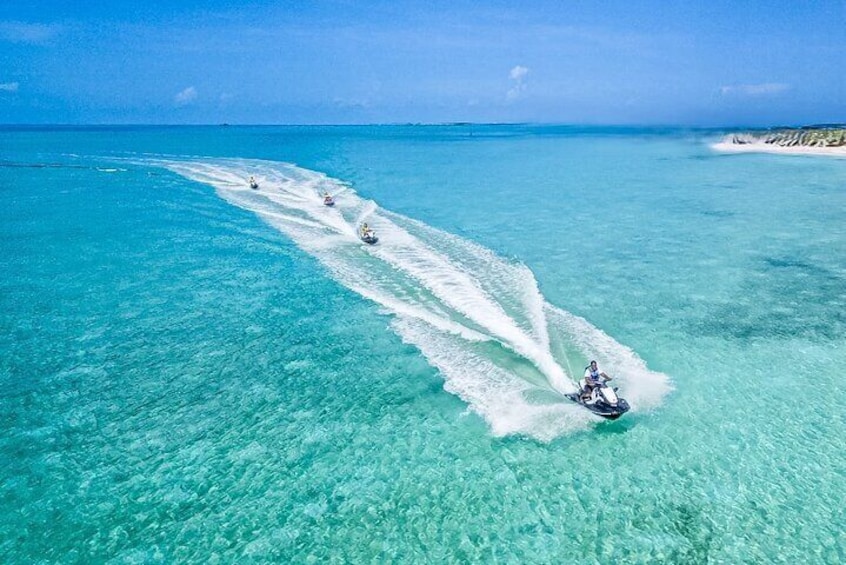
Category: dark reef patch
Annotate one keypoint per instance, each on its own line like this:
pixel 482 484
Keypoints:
pixel 783 297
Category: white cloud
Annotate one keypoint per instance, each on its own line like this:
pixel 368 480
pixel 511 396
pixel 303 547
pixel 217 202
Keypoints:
pixel 754 89
pixel 21 32
pixel 517 74
pixel 346 103
pixel 186 96
pixel 9 86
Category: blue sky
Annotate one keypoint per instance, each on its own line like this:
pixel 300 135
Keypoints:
pixel 716 63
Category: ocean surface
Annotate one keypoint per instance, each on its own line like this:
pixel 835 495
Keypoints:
pixel 194 371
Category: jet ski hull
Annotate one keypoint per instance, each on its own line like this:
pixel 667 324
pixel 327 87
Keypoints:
pixel 329 203
pixel 601 408
pixel 370 240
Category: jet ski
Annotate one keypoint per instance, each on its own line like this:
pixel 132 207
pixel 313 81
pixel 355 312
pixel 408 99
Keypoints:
pixel 253 184
pixel 327 200
pixel 367 235
pixel 603 401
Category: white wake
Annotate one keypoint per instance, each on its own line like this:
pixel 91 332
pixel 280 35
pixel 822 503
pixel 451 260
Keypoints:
pixel 477 317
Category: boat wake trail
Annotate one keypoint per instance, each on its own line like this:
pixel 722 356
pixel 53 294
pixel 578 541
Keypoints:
pixel 477 317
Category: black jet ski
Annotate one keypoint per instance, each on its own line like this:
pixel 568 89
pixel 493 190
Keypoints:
pixel 367 235
pixel 327 200
pixel 602 401
pixel 253 184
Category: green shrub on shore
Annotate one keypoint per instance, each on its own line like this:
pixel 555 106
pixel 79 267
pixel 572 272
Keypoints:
pixel 795 137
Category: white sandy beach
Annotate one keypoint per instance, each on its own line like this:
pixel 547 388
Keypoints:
pixel 726 146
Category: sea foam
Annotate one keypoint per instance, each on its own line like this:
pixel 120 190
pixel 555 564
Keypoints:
pixel 478 318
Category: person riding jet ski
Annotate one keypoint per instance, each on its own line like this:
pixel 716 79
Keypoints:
pixel 593 378
pixel 597 396
pixel 327 199
pixel 253 183
pixel 366 234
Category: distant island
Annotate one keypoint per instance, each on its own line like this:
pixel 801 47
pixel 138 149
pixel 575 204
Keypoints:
pixel 814 140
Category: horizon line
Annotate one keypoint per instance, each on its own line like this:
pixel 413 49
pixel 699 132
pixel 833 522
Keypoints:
pixel 423 124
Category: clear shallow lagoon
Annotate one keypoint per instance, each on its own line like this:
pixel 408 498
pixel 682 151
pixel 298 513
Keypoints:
pixel 192 371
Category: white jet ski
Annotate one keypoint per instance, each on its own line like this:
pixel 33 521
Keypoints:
pixel 367 235
pixel 602 400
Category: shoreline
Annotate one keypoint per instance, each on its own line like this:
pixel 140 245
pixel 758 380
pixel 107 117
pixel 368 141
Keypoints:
pixel 726 146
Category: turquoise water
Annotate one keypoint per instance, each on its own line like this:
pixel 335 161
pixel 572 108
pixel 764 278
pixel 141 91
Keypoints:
pixel 195 372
